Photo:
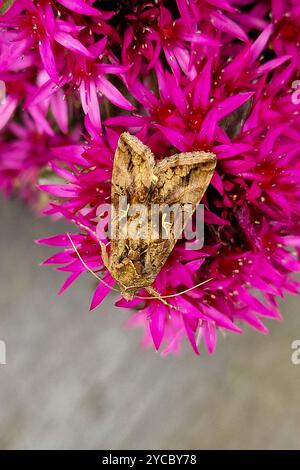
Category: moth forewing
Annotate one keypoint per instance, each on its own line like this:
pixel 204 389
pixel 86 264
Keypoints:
pixel 183 178
pixel 182 181
pixel 132 170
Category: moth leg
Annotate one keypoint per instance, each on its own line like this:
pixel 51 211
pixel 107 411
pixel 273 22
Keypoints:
pixel 157 295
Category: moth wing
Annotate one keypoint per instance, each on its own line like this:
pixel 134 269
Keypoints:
pixel 132 180
pixel 132 170
pixel 181 180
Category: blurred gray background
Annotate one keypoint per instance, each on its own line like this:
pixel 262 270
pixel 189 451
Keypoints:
pixel 76 379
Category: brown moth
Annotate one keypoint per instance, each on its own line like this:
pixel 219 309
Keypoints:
pixel 233 122
pixel 181 179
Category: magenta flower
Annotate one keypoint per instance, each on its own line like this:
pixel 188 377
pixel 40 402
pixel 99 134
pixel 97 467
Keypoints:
pixel 37 27
pixel 88 77
pixel 212 15
pixel 25 153
pixel 68 62
pixel 245 209
pixel 151 30
pixel 216 75
pixel 286 38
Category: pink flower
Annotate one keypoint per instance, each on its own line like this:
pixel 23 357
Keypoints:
pixel 68 62
pixel 25 153
pixel 182 76
pixel 212 15
pixel 286 38
pixel 151 30
pixel 38 27
pixel 245 213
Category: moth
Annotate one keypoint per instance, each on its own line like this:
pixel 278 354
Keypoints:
pixel 133 261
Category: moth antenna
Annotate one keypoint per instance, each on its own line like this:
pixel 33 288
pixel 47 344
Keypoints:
pixel 87 267
pixel 188 290
pixel 156 295
pixel 178 293
pixel 151 290
pixel 88 229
